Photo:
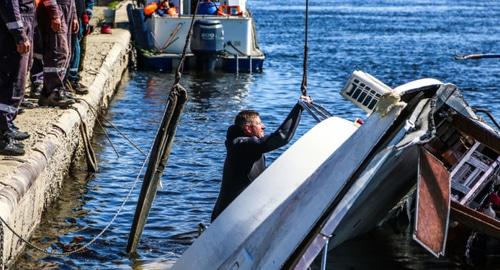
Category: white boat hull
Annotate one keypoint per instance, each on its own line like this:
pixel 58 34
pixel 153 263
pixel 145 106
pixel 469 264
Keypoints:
pixel 266 223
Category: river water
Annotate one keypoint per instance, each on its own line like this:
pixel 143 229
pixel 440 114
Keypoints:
pixel 396 41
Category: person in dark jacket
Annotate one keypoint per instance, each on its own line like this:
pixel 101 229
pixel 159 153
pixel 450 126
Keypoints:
pixel 246 144
pixel 56 20
pixel 36 71
pixel 16 30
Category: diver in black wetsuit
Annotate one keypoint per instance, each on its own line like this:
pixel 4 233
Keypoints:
pixel 245 146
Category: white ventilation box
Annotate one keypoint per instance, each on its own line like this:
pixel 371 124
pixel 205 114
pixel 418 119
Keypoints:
pixel 364 90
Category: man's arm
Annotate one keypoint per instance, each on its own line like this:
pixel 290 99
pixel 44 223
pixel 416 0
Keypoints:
pixel 280 137
pixel 55 14
pixel 285 131
pixel 9 11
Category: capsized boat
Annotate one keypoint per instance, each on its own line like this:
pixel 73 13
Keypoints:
pixel 340 180
pixel 224 35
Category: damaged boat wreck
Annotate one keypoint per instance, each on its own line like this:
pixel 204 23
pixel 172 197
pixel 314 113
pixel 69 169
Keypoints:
pixel 420 137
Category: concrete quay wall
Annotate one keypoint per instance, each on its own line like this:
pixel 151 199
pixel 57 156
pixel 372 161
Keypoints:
pixel 30 183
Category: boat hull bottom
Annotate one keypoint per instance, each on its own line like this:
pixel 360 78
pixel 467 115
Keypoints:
pixel 169 62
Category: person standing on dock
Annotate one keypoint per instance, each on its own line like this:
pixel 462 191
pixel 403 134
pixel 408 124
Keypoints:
pixel 84 10
pixel 36 71
pixel 245 146
pixel 16 33
pixel 56 20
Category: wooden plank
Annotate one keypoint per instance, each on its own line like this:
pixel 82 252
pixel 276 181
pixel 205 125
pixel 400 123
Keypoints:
pixel 433 204
pixel 476 130
pixel 475 220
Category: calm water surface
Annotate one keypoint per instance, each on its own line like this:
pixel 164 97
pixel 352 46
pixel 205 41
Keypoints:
pixel 396 41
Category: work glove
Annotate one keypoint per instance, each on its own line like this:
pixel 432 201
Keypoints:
pixel 86 24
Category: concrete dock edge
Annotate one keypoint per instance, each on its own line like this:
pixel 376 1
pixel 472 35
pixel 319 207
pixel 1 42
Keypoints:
pixel 30 183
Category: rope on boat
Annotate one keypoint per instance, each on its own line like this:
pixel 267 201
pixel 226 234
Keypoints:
pixel 162 147
pixel 172 37
pixel 236 49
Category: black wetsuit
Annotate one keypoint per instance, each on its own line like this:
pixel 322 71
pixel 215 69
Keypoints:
pixel 245 158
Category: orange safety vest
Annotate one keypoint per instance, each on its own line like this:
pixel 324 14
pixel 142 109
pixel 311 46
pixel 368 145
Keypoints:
pixel 172 11
pixel 150 9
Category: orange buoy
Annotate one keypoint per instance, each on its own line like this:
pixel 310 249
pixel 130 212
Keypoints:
pixel 233 10
pixel 221 11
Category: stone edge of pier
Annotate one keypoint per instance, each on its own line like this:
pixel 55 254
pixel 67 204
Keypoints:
pixel 30 183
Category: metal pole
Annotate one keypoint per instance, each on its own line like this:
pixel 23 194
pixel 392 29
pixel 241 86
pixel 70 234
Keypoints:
pixel 325 253
pixel 250 63
pixel 237 63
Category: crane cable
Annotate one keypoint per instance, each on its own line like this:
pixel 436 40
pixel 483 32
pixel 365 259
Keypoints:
pixel 318 112
pixel 303 87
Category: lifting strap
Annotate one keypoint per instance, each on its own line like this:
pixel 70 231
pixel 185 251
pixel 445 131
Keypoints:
pixel 162 147
pixel 318 112
pixel 303 87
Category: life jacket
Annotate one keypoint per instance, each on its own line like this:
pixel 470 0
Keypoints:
pixel 150 9
pixel 172 11
pixel 225 10
pixel 221 11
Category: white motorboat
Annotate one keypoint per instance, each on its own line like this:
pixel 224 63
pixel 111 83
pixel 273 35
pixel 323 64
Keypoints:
pixel 224 36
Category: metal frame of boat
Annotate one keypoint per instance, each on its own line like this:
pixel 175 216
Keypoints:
pixel 339 181
pixel 160 39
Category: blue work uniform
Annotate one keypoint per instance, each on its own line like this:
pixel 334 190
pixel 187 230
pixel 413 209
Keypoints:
pixel 16 25
pixel 56 45
pixel 78 39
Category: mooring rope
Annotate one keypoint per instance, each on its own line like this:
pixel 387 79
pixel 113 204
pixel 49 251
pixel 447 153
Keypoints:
pixel 100 124
pixel 96 114
pixel 89 151
pixel 82 248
